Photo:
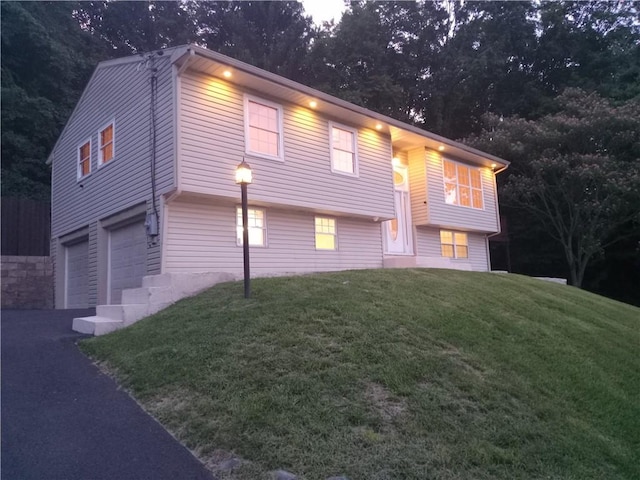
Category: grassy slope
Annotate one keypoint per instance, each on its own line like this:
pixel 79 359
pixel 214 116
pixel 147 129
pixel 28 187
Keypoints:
pixel 395 374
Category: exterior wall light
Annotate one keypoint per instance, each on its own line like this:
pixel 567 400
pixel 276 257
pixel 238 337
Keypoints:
pixel 244 175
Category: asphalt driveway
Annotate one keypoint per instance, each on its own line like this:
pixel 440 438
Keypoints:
pixel 63 419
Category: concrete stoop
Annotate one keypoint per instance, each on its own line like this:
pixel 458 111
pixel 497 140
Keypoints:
pixel 157 293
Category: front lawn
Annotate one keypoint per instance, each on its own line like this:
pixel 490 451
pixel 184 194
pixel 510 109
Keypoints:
pixel 393 374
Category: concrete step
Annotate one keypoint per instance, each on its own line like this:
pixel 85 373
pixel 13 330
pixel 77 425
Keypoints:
pixel 96 325
pixel 157 293
pixel 148 295
pixel 162 280
pixel 128 313
pixel 399 261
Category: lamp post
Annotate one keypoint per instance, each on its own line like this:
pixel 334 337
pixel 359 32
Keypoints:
pixel 244 178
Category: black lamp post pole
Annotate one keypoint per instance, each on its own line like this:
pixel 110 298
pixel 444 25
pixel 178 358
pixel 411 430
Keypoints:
pixel 245 241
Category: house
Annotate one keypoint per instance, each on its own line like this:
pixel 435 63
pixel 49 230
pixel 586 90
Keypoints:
pixel 145 208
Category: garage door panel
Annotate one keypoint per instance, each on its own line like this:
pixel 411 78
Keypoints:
pixel 128 259
pixel 77 281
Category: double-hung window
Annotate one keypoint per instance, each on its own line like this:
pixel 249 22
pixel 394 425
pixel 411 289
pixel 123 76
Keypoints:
pixel 84 159
pixel 454 244
pixel 256 225
pixel 462 185
pixel 325 233
pixel 106 144
pixel 344 149
pixel 263 128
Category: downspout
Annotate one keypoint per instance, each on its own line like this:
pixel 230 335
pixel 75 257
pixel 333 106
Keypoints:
pixel 495 195
pixel 152 220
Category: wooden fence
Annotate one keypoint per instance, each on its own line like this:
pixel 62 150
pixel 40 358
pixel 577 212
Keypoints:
pixel 26 227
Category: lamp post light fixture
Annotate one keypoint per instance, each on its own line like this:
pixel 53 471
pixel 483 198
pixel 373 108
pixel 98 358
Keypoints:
pixel 244 178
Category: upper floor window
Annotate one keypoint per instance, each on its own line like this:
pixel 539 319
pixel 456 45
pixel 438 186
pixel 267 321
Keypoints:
pixel 344 151
pixel 256 225
pixel 325 233
pixel 84 159
pixel 263 128
pixel 462 185
pixel 454 244
pixel 106 147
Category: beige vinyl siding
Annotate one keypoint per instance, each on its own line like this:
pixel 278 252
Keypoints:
pixel 119 92
pixel 201 236
pixel 418 186
pixel 428 247
pixel 454 216
pixel 211 120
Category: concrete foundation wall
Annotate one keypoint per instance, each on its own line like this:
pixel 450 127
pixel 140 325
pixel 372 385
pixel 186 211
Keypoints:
pixel 27 282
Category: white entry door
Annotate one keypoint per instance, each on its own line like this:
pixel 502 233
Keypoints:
pixel 397 232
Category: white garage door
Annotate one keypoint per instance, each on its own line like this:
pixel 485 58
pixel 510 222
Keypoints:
pixel 77 288
pixel 127 259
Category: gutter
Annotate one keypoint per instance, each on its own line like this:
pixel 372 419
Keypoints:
pixel 501 169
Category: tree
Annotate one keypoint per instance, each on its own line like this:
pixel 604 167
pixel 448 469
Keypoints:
pixel 272 35
pixel 377 54
pixel 484 65
pixel 136 27
pixel 46 61
pixel 590 45
pixel 575 171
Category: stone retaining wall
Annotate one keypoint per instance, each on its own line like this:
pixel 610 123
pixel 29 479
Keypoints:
pixel 27 282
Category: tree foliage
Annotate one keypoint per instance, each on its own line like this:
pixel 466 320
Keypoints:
pixel 272 35
pixel 591 45
pixel 576 171
pixel 46 62
pixel 130 27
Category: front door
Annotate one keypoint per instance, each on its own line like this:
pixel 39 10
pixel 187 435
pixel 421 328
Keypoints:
pixel 397 232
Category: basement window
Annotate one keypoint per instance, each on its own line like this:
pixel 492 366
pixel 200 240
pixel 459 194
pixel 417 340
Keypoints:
pixel 256 224
pixel 325 233
pixel 454 244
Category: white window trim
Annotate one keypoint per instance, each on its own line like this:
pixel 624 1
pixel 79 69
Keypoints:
pixel 354 131
pixel 455 245
pixel 264 229
pixel 247 146
pixel 101 163
pixel 79 176
pixel 335 235
pixel 444 188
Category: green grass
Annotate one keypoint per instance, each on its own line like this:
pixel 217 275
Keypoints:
pixel 394 374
